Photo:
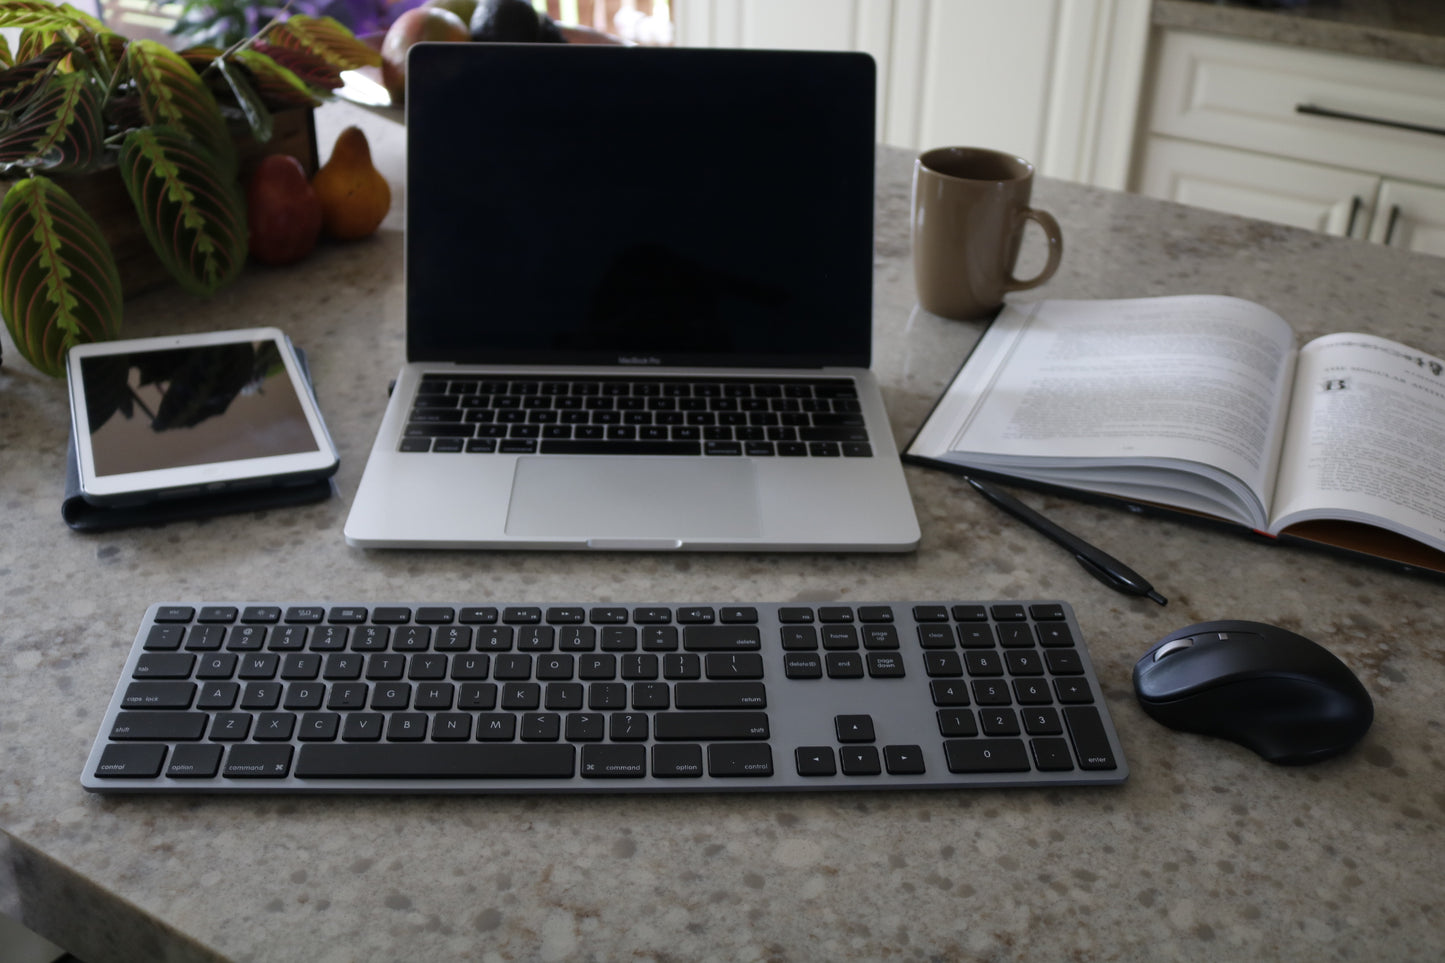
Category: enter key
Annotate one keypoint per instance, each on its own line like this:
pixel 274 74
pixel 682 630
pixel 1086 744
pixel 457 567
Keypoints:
pixel 720 695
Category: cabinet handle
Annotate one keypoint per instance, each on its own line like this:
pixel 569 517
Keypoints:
pixel 1354 214
pixel 1314 111
pixel 1390 226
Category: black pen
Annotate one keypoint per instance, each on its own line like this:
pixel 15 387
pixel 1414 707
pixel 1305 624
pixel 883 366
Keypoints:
pixel 1101 565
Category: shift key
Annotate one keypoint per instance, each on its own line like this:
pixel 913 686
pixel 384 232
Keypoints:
pixel 701 726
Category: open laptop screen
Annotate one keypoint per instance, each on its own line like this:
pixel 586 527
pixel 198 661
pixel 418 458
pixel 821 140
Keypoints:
pixel 606 205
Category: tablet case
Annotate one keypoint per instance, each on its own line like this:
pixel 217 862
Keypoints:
pixel 84 516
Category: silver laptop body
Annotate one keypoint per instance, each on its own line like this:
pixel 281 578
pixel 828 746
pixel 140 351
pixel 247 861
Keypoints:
pixel 639 296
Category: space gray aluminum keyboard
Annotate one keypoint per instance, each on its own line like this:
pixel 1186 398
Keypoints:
pixel 494 697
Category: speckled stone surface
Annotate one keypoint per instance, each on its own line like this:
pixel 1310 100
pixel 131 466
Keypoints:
pixel 1409 31
pixel 1206 853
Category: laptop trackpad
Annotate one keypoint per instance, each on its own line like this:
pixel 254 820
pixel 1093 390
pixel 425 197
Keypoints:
pixel 623 499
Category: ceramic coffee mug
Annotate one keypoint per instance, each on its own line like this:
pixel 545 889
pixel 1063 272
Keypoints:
pixel 970 206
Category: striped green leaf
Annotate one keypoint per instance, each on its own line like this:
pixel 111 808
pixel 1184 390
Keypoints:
pixel 24 81
pixel 172 95
pixel 37 42
pixel 323 39
pixel 276 84
pixel 44 15
pixel 314 72
pixel 58 280
pixel 191 209
pixel 60 130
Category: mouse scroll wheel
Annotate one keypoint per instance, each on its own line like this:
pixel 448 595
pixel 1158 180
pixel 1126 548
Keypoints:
pixel 1169 648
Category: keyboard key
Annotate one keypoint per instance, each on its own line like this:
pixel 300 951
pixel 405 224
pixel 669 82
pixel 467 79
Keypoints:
pixel 986 755
pixel 614 762
pixel 159 726
pixel 1051 755
pixel 1090 739
pixel 385 761
pixel 130 762
pixel 1073 691
pixel 165 665
pixel 859 761
pixel 677 761
pixel 853 728
pixel 720 638
pixel 885 665
pixel 194 762
pixel 159 695
pixel 703 726
pixel 803 665
pixel 1042 722
pixel 720 696
pixel 731 761
pixel 957 722
pixel 164 637
pixel 257 762
pixel 815 761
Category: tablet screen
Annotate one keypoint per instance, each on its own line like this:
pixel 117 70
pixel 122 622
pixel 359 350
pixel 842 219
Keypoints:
pixel 199 405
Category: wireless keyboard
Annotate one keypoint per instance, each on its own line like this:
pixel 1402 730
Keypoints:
pixel 491 698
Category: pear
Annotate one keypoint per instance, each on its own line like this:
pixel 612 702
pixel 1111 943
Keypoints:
pixel 354 196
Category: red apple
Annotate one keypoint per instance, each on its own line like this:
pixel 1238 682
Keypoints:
pixel 413 26
pixel 283 211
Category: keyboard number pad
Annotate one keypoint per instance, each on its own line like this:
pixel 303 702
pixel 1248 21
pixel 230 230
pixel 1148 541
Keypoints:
pixel 1009 690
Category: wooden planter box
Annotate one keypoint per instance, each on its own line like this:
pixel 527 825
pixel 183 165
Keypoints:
pixel 103 196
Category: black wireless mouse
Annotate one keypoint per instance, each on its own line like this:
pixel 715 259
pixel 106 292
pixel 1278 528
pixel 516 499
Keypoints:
pixel 1270 690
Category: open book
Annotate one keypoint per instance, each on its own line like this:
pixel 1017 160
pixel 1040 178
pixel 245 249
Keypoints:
pixel 1203 404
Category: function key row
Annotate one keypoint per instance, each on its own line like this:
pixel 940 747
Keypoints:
pixel 445 615
pixel 640 387
pixel 597 615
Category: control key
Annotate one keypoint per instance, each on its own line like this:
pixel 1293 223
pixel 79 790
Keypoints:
pixel 138 761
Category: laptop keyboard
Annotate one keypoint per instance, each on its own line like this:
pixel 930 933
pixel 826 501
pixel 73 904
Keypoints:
pixel 571 698
pixel 799 417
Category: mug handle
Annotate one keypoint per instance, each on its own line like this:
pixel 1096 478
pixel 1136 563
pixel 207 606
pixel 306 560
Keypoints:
pixel 1046 221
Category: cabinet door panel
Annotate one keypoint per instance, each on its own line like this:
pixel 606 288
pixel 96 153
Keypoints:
pixel 1252 185
pixel 1418 216
pixel 1248 95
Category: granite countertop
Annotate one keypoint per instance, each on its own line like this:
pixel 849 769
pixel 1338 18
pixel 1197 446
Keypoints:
pixel 1206 852
pixel 1408 31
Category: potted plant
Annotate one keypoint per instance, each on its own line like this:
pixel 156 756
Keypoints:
pixel 78 99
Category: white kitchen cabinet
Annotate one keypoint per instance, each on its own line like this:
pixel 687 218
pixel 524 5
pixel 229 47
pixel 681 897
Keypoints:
pixel 1257 185
pixel 1056 81
pixel 1325 141
pixel 1411 216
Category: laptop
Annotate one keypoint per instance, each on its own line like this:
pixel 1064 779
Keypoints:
pixel 638 307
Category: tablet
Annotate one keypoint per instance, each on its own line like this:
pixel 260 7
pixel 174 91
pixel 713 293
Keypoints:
pixel 193 414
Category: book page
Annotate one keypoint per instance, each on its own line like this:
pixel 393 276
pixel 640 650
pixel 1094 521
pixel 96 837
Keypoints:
pixel 1366 438
pixel 1192 385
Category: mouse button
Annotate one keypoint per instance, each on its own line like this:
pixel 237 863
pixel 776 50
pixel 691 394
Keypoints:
pixel 1173 645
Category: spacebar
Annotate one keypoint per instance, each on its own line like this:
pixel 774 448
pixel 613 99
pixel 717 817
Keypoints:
pixel 412 761
pixel 563 446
